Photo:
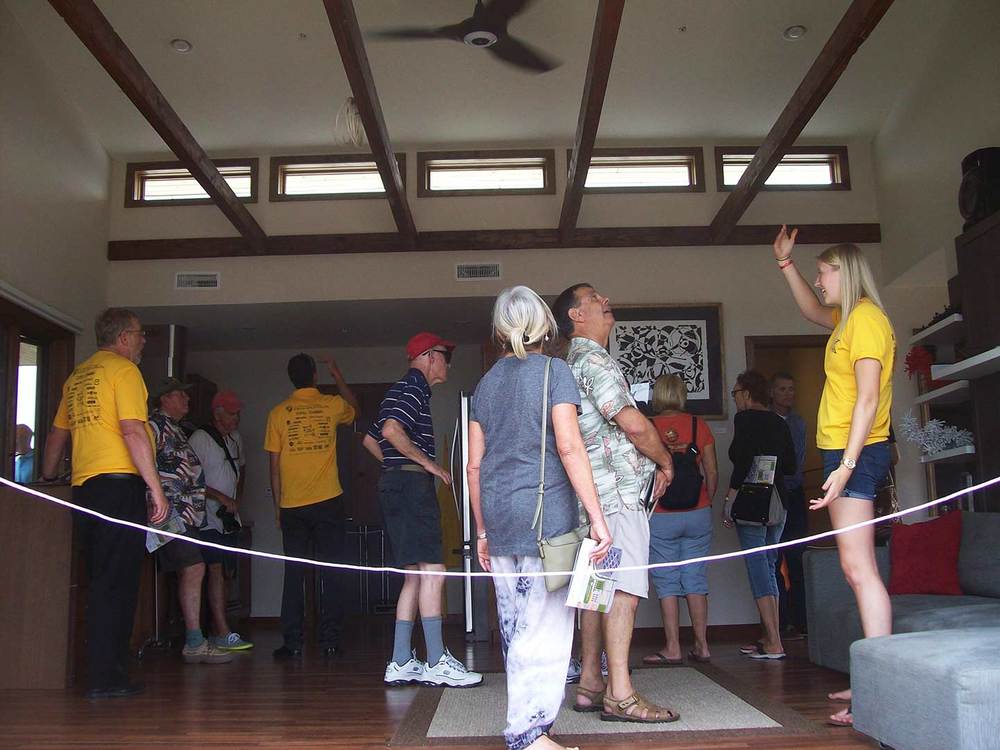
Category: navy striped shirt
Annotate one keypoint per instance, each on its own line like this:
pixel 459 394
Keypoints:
pixel 409 403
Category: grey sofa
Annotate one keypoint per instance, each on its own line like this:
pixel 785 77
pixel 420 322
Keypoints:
pixel 832 613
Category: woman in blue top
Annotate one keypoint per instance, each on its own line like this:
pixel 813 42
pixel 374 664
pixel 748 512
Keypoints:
pixel 505 443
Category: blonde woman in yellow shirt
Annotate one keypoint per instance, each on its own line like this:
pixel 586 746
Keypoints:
pixel 853 422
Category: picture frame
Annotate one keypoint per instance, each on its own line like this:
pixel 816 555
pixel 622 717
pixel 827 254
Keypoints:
pixel 683 339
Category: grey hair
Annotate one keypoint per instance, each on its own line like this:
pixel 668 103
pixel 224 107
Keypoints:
pixel 521 319
pixel 110 323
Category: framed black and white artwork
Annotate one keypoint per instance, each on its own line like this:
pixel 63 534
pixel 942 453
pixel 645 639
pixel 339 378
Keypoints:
pixel 686 340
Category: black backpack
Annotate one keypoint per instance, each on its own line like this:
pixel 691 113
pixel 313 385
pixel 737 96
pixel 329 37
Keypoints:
pixel 684 492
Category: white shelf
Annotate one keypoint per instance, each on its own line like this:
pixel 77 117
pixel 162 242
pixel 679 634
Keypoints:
pixel 952 454
pixel 953 393
pixel 979 366
pixel 945 331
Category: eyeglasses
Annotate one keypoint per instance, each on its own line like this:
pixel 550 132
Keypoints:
pixel 135 330
pixel 737 390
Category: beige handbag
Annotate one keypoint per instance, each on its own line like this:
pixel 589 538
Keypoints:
pixel 558 553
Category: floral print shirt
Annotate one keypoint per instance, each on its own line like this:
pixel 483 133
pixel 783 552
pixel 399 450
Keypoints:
pixel 621 472
pixel 181 474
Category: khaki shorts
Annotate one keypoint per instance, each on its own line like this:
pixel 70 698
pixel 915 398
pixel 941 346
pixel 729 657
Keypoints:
pixel 630 533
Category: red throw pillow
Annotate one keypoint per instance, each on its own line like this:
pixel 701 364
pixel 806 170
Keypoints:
pixel 925 556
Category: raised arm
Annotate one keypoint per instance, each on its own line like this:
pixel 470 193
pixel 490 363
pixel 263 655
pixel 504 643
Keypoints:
pixel 810 307
pixel 573 454
pixel 342 387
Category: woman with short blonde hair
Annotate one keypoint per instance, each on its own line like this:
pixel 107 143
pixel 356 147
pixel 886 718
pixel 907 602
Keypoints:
pixel 505 448
pixel 852 429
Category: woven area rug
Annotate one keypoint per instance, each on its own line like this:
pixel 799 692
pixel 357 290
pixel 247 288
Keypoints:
pixel 712 706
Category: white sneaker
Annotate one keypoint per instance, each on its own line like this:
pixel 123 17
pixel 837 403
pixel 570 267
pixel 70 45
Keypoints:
pixel 412 671
pixel 450 672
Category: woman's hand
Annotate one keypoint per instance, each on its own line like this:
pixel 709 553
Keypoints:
pixel 599 533
pixel 727 508
pixel 784 243
pixel 483 553
pixel 834 487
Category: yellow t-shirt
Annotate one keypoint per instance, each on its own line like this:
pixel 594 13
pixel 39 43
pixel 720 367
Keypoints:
pixel 100 392
pixel 867 334
pixel 302 430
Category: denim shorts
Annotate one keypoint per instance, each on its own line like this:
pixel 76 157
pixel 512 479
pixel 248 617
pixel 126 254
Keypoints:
pixel 868 476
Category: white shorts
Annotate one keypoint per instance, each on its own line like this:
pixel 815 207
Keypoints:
pixel 630 533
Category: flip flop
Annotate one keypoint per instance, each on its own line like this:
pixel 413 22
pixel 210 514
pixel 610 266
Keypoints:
pixel 829 697
pixel 752 648
pixel 847 721
pixel 699 659
pixel 659 660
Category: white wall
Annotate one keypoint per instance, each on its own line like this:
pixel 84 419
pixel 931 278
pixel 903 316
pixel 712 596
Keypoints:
pixel 260 379
pixel 54 183
pixel 951 108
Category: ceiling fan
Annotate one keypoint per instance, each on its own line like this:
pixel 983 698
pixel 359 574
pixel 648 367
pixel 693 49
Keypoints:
pixel 487 29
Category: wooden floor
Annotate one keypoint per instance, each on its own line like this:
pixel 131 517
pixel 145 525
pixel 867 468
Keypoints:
pixel 255 702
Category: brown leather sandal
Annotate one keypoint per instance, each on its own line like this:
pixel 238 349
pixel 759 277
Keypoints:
pixel 619 711
pixel 596 698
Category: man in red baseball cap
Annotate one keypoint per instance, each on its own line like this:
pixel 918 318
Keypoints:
pixel 402 439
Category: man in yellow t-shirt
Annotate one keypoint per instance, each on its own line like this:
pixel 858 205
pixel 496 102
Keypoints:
pixel 301 439
pixel 103 409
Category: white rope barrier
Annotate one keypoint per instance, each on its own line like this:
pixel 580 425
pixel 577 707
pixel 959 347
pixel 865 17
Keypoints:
pixel 483 574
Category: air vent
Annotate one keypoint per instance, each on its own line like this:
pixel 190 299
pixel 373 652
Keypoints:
pixel 477 271
pixel 197 280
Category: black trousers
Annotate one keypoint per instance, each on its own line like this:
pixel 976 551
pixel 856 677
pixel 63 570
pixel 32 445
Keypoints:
pixel 792 603
pixel 114 562
pixel 319 532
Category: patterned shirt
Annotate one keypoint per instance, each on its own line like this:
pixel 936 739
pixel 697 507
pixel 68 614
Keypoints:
pixel 621 472
pixel 409 403
pixel 180 470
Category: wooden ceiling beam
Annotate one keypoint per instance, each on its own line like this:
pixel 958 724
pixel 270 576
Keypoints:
pixel 857 23
pixel 602 53
pixel 97 35
pixel 344 23
pixel 486 240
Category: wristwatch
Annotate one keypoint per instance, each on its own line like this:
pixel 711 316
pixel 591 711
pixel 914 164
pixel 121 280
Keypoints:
pixel 850 463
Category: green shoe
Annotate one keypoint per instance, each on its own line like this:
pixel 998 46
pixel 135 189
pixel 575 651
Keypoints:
pixel 231 642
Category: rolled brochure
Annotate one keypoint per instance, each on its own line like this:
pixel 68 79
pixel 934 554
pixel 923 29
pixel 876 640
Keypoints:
pixel 588 589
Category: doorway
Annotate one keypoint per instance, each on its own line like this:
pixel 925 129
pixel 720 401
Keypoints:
pixel 802 358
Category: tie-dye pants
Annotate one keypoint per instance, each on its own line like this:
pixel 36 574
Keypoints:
pixel 537 631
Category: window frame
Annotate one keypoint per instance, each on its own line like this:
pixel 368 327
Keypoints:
pixel 839 159
pixel 697 154
pixel 425 159
pixel 277 162
pixel 133 171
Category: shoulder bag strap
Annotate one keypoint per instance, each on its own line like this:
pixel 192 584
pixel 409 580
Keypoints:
pixel 537 522
pixel 694 433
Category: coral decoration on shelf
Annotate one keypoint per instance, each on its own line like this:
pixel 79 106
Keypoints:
pixel 918 362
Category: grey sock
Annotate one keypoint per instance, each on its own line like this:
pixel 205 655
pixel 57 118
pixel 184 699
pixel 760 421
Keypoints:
pixel 401 642
pixel 432 637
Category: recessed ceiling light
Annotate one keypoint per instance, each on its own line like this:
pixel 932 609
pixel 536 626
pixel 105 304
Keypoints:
pixel 792 33
pixel 181 45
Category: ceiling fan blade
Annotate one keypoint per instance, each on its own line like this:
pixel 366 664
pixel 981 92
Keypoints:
pixel 405 33
pixel 520 54
pixel 501 11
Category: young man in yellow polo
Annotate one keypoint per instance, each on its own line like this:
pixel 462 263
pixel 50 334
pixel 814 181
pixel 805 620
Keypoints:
pixel 301 439
pixel 103 407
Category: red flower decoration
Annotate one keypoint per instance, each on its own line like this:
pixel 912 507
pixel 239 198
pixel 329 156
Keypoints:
pixel 918 362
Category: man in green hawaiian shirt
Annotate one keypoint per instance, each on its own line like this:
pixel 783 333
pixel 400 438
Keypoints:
pixel 625 455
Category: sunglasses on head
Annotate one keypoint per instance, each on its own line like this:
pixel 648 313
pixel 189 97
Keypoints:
pixel 446 353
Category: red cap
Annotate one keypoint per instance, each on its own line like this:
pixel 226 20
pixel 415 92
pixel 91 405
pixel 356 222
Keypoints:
pixel 228 401
pixel 424 341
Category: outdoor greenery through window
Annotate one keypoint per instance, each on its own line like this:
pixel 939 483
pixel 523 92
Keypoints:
pixel 486 173
pixel 328 177
pixel 650 170
pixel 802 168
pixel 170 183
